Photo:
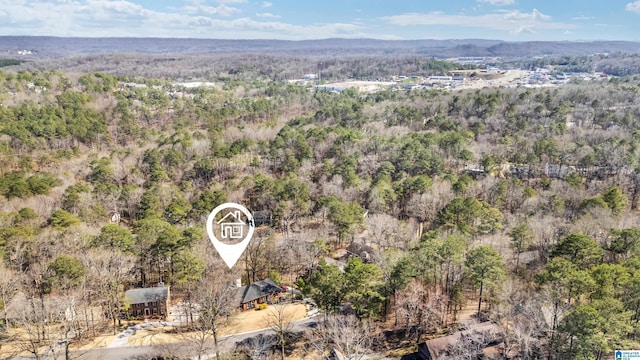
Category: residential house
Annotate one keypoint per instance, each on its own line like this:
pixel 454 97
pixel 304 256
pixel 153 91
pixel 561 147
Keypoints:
pixel 363 251
pixel 148 302
pixel 486 337
pixel 262 217
pixel 260 292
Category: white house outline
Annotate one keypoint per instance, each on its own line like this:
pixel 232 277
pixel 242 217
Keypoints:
pixel 233 229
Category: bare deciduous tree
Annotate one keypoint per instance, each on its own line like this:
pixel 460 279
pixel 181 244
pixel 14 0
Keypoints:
pixel 521 311
pixel 421 308
pixel 255 255
pixel 386 231
pixel 258 347
pixel 215 298
pixel 9 283
pixel 44 326
pixel 279 320
pixel 348 335
pixel 107 273
pixel 470 346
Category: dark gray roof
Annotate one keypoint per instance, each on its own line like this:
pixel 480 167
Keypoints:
pixel 261 217
pixel 145 295
pixel 487 332
pixel 257 290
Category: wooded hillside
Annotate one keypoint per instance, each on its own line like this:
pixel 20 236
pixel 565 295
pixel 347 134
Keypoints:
pixel 521 201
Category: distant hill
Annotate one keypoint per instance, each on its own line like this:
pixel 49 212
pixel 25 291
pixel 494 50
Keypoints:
pixel 39 47
pixel 539 48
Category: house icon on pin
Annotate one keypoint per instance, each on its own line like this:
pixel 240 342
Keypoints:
pixel 232 226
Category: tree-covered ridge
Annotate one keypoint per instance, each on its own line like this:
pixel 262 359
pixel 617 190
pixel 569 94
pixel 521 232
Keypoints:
pixel 519 201
pixel 9 62
pixel 66 120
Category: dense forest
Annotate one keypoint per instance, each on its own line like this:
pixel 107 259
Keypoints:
pixel 9 62
pixel 231 67
pixel 247 67
pixel 393 211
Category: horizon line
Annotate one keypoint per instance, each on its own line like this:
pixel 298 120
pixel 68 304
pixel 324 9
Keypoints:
pixel 319 39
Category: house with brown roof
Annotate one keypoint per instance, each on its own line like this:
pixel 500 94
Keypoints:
pixel 260 292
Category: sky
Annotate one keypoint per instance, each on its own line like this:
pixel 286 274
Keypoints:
pixel 511 20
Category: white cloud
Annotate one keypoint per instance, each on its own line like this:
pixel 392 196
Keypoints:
pixel 125 18
pixel 513 21
pixel 217 19
pixel 201 7
pixel 499 2
pixel 633 7
pixel 205 7
pixel 535 15
pixel 119 6
pixel 222 9
pixel 266 4
pixel 267 15
pixel 525 29
pixel 582 18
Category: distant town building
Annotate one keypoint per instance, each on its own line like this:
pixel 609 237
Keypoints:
pixel 471 59
pixel 333 89
pixel 130 85
pixel 196 84
pixel 310 76
pixel 412 87
pixel 440 78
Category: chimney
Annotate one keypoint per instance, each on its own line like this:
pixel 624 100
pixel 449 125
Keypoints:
pixel 238 282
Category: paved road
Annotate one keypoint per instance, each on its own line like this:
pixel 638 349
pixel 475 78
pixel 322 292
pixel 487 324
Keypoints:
pixel 181 350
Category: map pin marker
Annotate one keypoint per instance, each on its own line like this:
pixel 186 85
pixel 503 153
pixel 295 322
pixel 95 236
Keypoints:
pixel 232 226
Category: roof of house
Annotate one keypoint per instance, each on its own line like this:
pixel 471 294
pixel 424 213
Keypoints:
pixel 144 295
pixel 438 346
pixel 257 290
pixel 261 213
pixel 363 251
pixel 261 217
